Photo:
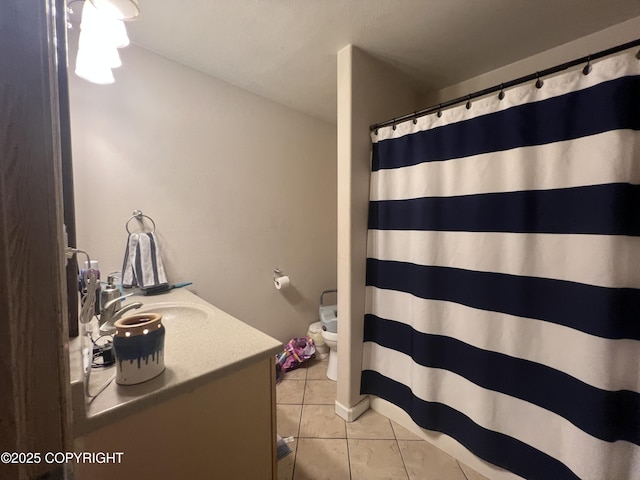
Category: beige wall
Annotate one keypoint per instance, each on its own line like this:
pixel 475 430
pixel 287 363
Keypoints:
pixel 237 186
pixel 610 37
pixel 368 91
pixel 604 39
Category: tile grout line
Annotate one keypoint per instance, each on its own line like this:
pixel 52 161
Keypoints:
pixel 295 455
pixel 404 465
pixel 304 389
pixel 348 454
pixel 302 405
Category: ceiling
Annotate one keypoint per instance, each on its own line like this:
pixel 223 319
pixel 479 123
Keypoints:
pixel 285 50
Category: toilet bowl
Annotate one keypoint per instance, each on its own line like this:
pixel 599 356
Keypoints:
pixel 331 340
pixel 315 332
pixel 329 323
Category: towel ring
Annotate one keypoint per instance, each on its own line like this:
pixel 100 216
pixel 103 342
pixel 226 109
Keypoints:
pixel 138 215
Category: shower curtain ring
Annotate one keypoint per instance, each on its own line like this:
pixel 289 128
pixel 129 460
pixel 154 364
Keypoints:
pixel 468 105
pixel 587 68
pixel 539 82
pixel 439 114
pixel 501 94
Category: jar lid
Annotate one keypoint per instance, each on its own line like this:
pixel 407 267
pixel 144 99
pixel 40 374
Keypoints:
pixel 138 324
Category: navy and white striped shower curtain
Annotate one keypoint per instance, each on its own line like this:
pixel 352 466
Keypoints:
pixel 503 274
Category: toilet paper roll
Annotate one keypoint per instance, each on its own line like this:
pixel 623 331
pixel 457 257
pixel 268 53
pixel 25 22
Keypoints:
pixel 281 282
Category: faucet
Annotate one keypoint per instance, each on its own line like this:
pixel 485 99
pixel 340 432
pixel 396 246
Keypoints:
pixel 110 314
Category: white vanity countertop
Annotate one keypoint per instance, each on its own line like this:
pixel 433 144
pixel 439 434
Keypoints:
pixel 195 353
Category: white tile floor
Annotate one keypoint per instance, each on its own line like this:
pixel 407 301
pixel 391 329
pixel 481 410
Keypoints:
pixel 372 447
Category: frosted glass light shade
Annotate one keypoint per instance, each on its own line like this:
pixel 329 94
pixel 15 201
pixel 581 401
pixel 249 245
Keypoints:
pixel 96 23
pixel 99 46
pixel 119 34
pixel 100 38
pixel 92 68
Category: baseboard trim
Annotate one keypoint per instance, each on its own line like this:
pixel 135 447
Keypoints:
pixel 351 413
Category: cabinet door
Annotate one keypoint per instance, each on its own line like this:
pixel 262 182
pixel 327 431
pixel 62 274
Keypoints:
pixel 222 430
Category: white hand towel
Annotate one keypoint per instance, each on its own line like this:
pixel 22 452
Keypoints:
pixel 128 276
pixel 142 262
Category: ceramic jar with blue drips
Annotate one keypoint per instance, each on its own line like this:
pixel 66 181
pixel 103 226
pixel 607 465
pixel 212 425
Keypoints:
pixel 139 348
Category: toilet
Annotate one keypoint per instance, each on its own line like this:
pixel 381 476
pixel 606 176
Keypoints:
pixel 329 323
pixel 315 332
pixel 331 341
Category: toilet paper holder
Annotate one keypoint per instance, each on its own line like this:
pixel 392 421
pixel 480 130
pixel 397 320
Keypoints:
pixel 280 280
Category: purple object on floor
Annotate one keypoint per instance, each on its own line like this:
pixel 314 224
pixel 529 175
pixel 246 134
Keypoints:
pixel 296 352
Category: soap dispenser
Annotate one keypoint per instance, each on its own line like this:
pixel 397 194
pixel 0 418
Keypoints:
pixel 110 292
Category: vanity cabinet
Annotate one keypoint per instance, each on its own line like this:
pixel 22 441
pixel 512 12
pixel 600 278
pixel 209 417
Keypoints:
pixel 224 429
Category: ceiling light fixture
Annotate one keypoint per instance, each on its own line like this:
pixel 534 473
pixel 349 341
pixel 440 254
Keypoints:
pixel 101 34
pixel 118 9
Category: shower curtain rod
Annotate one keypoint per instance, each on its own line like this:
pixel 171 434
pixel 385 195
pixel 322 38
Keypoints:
pixel 512 83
